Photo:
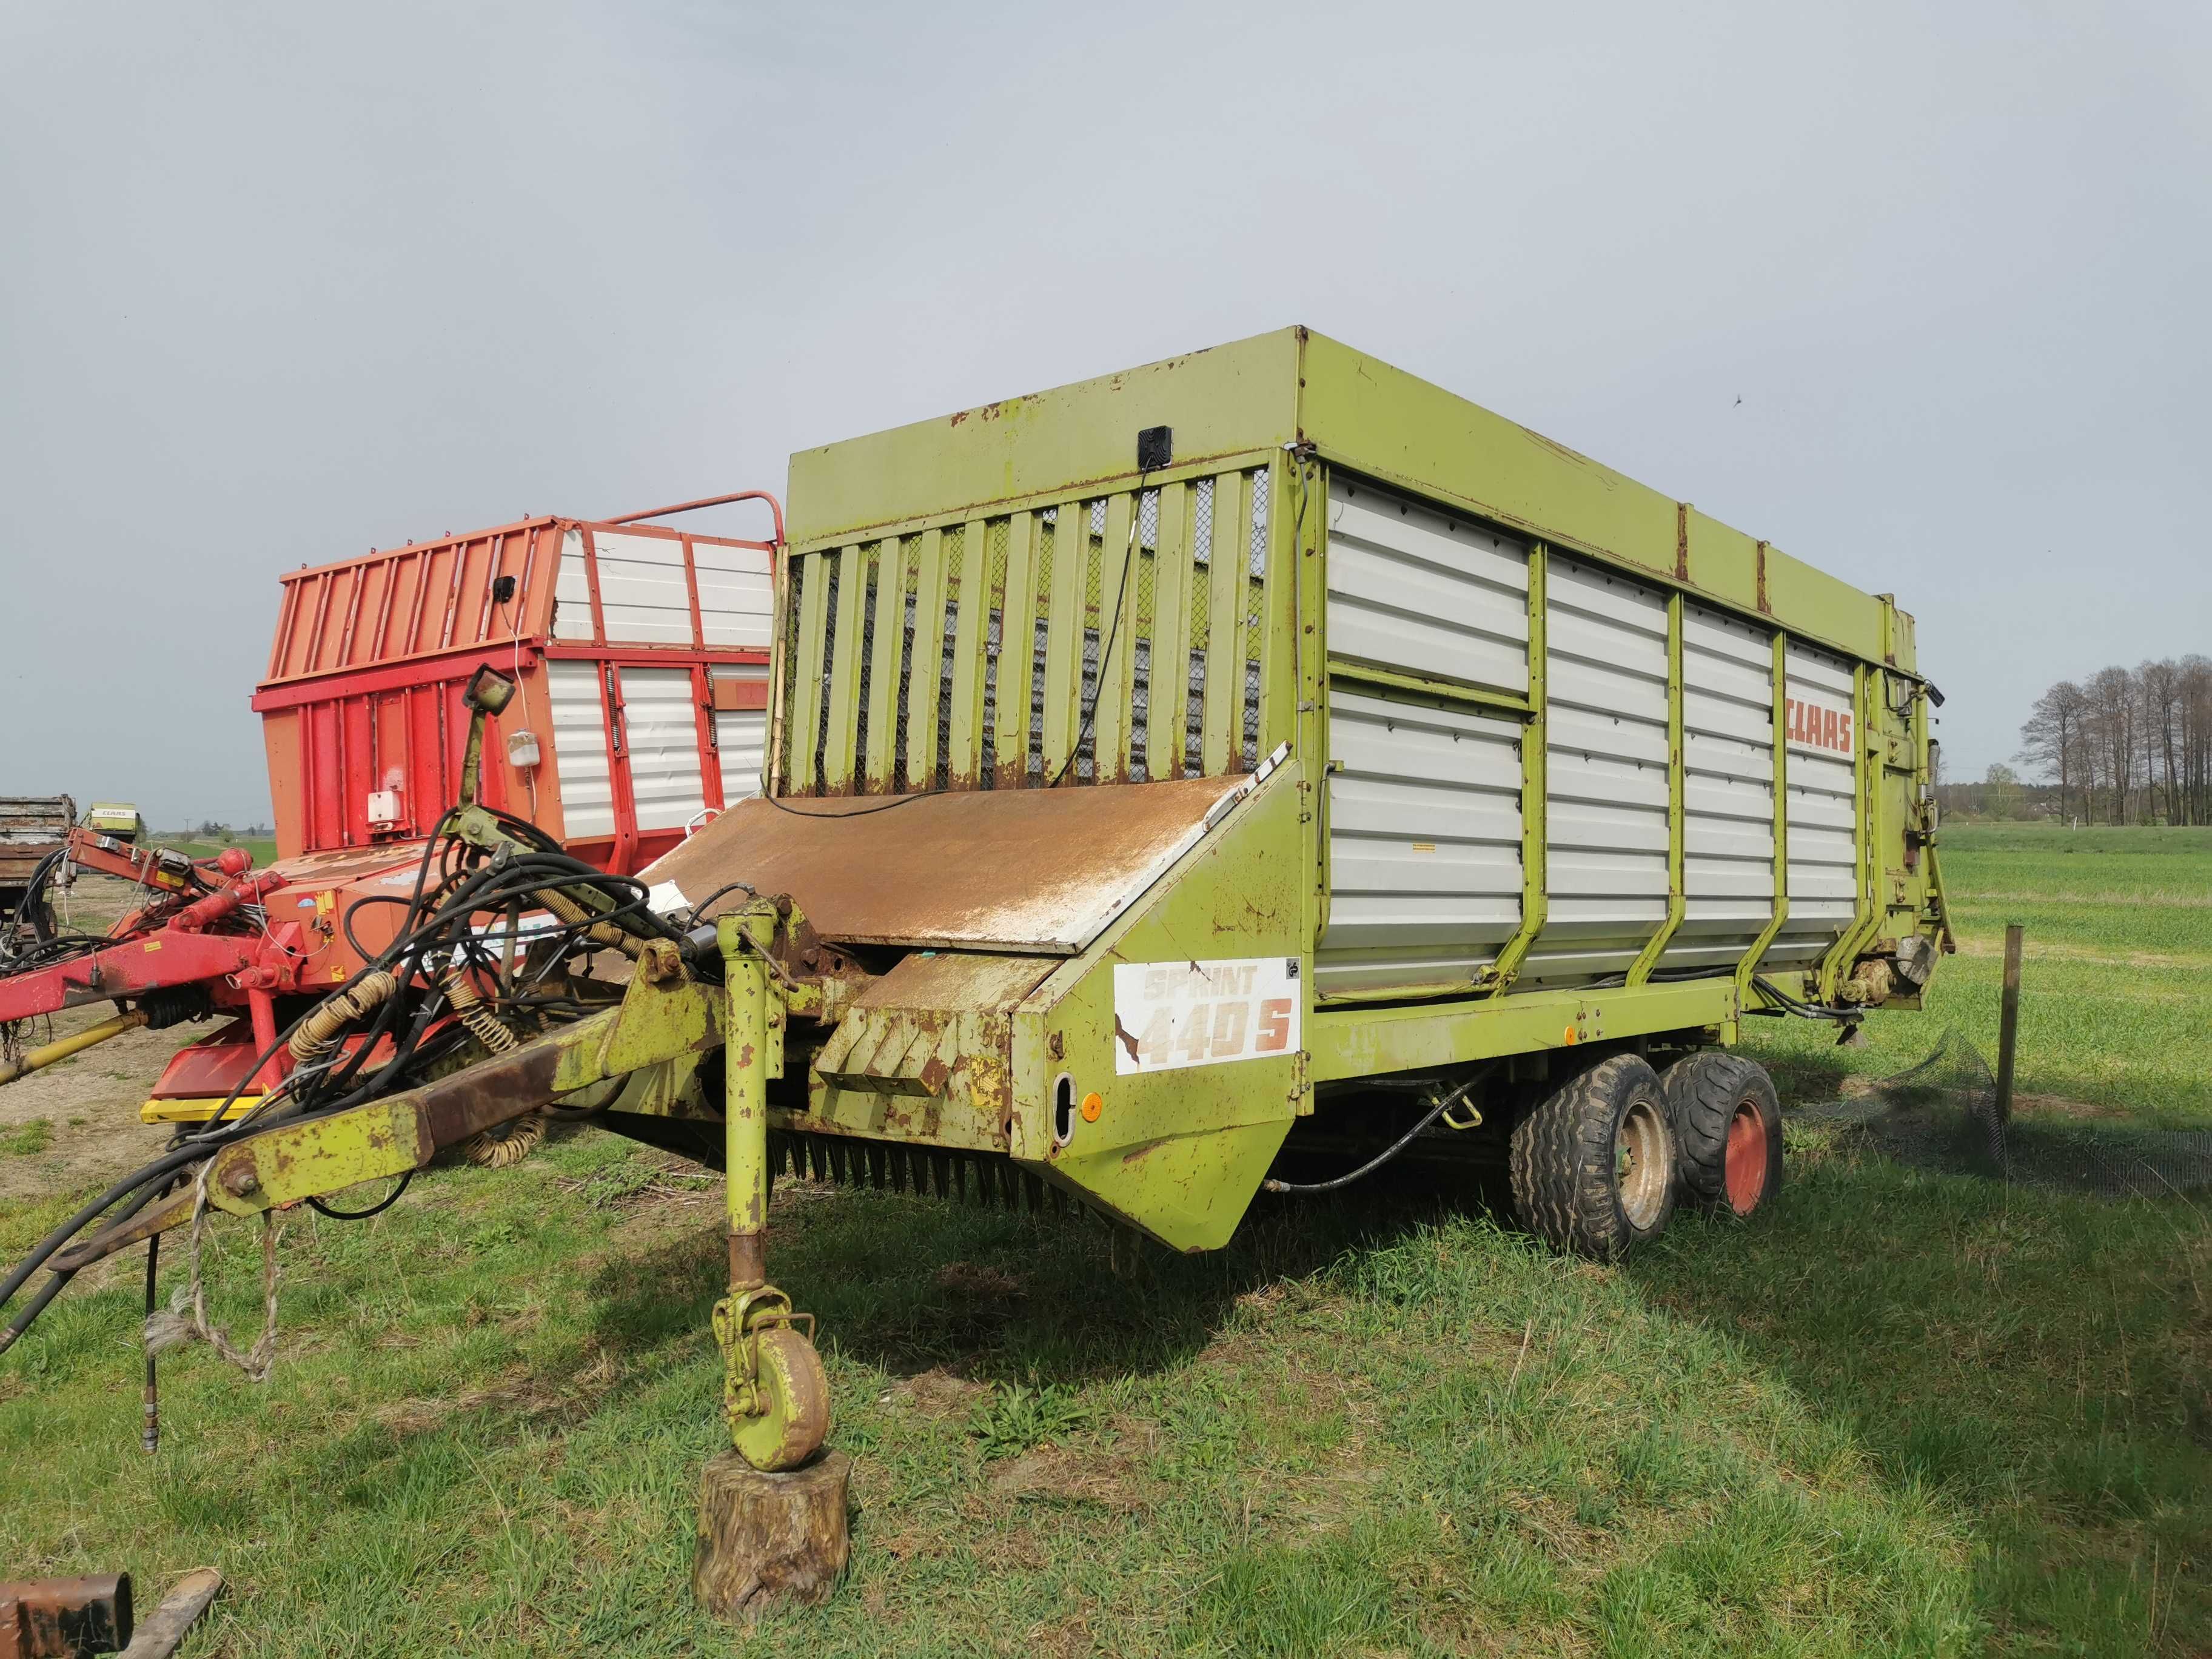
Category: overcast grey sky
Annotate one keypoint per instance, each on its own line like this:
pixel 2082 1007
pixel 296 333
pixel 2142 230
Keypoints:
pixel 282 282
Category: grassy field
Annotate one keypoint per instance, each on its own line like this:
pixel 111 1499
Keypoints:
pixel 264 848
pixel 1903 1413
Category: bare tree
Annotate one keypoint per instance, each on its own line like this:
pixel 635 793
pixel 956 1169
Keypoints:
pixel 2195 725
pixel 2052 738
pixel 2159 693
pixel 2114 729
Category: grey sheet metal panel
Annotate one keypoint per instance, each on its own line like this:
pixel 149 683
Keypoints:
pixel 1606 804
pixel 1728 789
pixel 579 747
pixel 1421 592
pixel 741 739
pixel 661 730
pixel 1822 813
pixel 1424 841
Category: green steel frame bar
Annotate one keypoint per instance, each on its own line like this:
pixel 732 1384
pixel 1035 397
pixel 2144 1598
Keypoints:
pixel 1367 1040
pixel 1384 679
pixel 1536 738
pixel 1677 900
pixel 1759 946
pixel 1866 788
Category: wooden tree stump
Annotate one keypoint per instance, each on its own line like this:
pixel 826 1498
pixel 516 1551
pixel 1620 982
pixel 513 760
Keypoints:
pixel 770 1538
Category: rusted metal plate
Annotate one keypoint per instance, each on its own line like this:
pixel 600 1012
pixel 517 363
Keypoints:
pixel 60 1618
pixel 1037 871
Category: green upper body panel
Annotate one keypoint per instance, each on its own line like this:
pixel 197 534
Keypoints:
pixel 1294 385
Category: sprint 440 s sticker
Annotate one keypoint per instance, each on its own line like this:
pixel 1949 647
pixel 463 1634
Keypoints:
pixel 1171 1014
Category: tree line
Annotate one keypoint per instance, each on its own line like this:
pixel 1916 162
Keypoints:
pixel 2128 745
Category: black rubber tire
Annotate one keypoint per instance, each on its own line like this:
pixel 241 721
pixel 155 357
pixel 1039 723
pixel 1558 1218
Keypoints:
pixel 1705 1091
pixel 1567 1157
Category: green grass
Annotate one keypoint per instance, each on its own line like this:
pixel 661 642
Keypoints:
pixel 1901 1413
pixel 264 848
pixel 26 1140
pixel 2116 985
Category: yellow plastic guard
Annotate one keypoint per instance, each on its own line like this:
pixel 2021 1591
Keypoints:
pixel 197 1110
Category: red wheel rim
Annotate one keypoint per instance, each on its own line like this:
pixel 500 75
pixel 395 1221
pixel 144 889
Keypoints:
pixel 1745 1171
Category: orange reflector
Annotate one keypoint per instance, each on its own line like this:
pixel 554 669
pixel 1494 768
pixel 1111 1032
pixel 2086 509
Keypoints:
pixel 1570 1036
pixel 1093 1103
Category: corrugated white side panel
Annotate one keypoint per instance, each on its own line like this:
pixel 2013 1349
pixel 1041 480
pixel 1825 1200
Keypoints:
pixel 579 747
pixel 1728 789
pixel 643 598
pixel 572 591
pixel 661 730
pixel 736 596
pixel 741 736
pixel 1424 841
pixel 1606 836
pixel 1416 590
pixel 1823 865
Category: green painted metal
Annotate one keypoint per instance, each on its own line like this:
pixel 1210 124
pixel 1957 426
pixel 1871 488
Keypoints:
pixel 1347 1044
pixel 964 758
pixel 746 1072
pixel 1178 1154
pixel 980 531
pixel 1536 741
pixel 1677 819
pixel 1417 688
pixel 1866 762
pixel 1751 957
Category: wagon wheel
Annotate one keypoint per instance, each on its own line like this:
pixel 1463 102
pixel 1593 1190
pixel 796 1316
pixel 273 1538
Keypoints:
pixel 794 1394
pixel 1727 1125
pixel 1594 1166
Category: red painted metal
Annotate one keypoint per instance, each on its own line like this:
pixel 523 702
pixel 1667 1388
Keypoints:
pixel 774 507
pixel 1744 1162
pixel 203 914
pixel 371 654
pixel 130 968
pixel 591 580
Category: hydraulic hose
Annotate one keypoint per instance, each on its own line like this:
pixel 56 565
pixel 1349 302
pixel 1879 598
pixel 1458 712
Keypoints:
pixel 317 1035
pixel 1442 1105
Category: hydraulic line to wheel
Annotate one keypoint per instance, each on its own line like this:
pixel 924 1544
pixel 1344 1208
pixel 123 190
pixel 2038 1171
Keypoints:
pixel 1442 1106
pixel 468 1005
pixel 604 934
pixel 1790 1005
pixel 514 1141
pixel 317 1034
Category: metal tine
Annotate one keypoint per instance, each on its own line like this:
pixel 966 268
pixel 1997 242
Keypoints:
pixel 876 1166
pixel 837 1160
pixel 1034 1191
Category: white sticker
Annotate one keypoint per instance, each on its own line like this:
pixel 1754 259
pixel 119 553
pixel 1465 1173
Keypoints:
pixel 1168 1015
pixel 1823 726
pixel 665 898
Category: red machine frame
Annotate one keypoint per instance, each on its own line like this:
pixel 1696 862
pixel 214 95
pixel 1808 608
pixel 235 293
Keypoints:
pixel 328 711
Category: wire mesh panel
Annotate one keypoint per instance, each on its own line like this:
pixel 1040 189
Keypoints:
pixel 1944 1115
pixel 1105 638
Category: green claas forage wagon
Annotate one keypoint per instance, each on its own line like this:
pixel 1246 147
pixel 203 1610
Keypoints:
pixel 1261 741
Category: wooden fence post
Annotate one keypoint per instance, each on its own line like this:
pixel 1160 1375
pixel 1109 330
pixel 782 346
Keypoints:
pixel 2009 1021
